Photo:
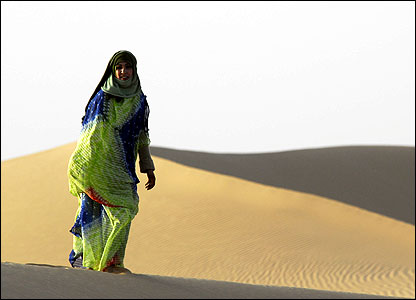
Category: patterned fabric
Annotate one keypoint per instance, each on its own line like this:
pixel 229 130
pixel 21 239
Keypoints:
pixel 100 235
pixel 102 174
pixel 103 164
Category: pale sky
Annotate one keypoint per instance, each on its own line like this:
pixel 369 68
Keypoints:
pixel 224 77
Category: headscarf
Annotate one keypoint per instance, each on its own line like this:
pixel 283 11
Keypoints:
pixel 110 84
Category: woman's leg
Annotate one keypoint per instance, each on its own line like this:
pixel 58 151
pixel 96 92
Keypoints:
pixel 87 230
pixel 100 234
pixel 117 227
pixel 75 257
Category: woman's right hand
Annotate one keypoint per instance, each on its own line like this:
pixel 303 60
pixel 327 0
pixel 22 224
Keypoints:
pixel 151 180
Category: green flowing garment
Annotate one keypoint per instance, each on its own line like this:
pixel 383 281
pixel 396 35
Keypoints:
pixel 102 168
pixel 103 163
pixel 100 235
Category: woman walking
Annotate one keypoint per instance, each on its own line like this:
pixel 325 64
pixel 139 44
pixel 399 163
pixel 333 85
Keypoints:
pixel 101 170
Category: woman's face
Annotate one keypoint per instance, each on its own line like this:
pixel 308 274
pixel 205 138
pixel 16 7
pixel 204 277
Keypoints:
pixel 124 70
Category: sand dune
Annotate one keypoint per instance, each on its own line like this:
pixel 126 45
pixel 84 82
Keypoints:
pixel 43 282
pixel 364 176
pixel 204 225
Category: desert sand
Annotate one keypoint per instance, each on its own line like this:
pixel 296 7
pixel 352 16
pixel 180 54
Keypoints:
pixel 364 176
pixel 45 282
pixel 201 224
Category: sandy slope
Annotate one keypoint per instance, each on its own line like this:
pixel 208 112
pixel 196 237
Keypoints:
pixel 46 282
pixel 199 224
pixel 364 176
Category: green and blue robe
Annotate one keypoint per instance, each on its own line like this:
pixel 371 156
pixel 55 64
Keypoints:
pixel 102 174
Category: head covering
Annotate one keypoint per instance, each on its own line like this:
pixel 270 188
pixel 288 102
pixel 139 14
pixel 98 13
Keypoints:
pixel 122 88
pixel 110 84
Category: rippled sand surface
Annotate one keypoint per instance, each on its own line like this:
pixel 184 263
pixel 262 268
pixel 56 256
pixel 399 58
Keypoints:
pixel 199 224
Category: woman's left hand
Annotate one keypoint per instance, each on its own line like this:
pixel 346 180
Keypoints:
pixel 151 180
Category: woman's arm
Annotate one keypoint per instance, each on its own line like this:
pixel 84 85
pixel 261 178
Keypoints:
pixel 151 180
pixel 147 166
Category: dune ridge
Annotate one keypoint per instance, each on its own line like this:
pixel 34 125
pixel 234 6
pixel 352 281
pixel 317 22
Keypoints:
pixel 364 176
pixel 284 238
pixel 46 282
pixel 203 225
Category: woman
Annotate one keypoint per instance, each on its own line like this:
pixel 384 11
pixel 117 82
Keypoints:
pixel 102 171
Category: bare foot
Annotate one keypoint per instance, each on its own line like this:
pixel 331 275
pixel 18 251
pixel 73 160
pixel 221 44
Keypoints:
pixel 117 270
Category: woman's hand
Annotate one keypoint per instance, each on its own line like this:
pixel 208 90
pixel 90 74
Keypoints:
pixel 151 180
